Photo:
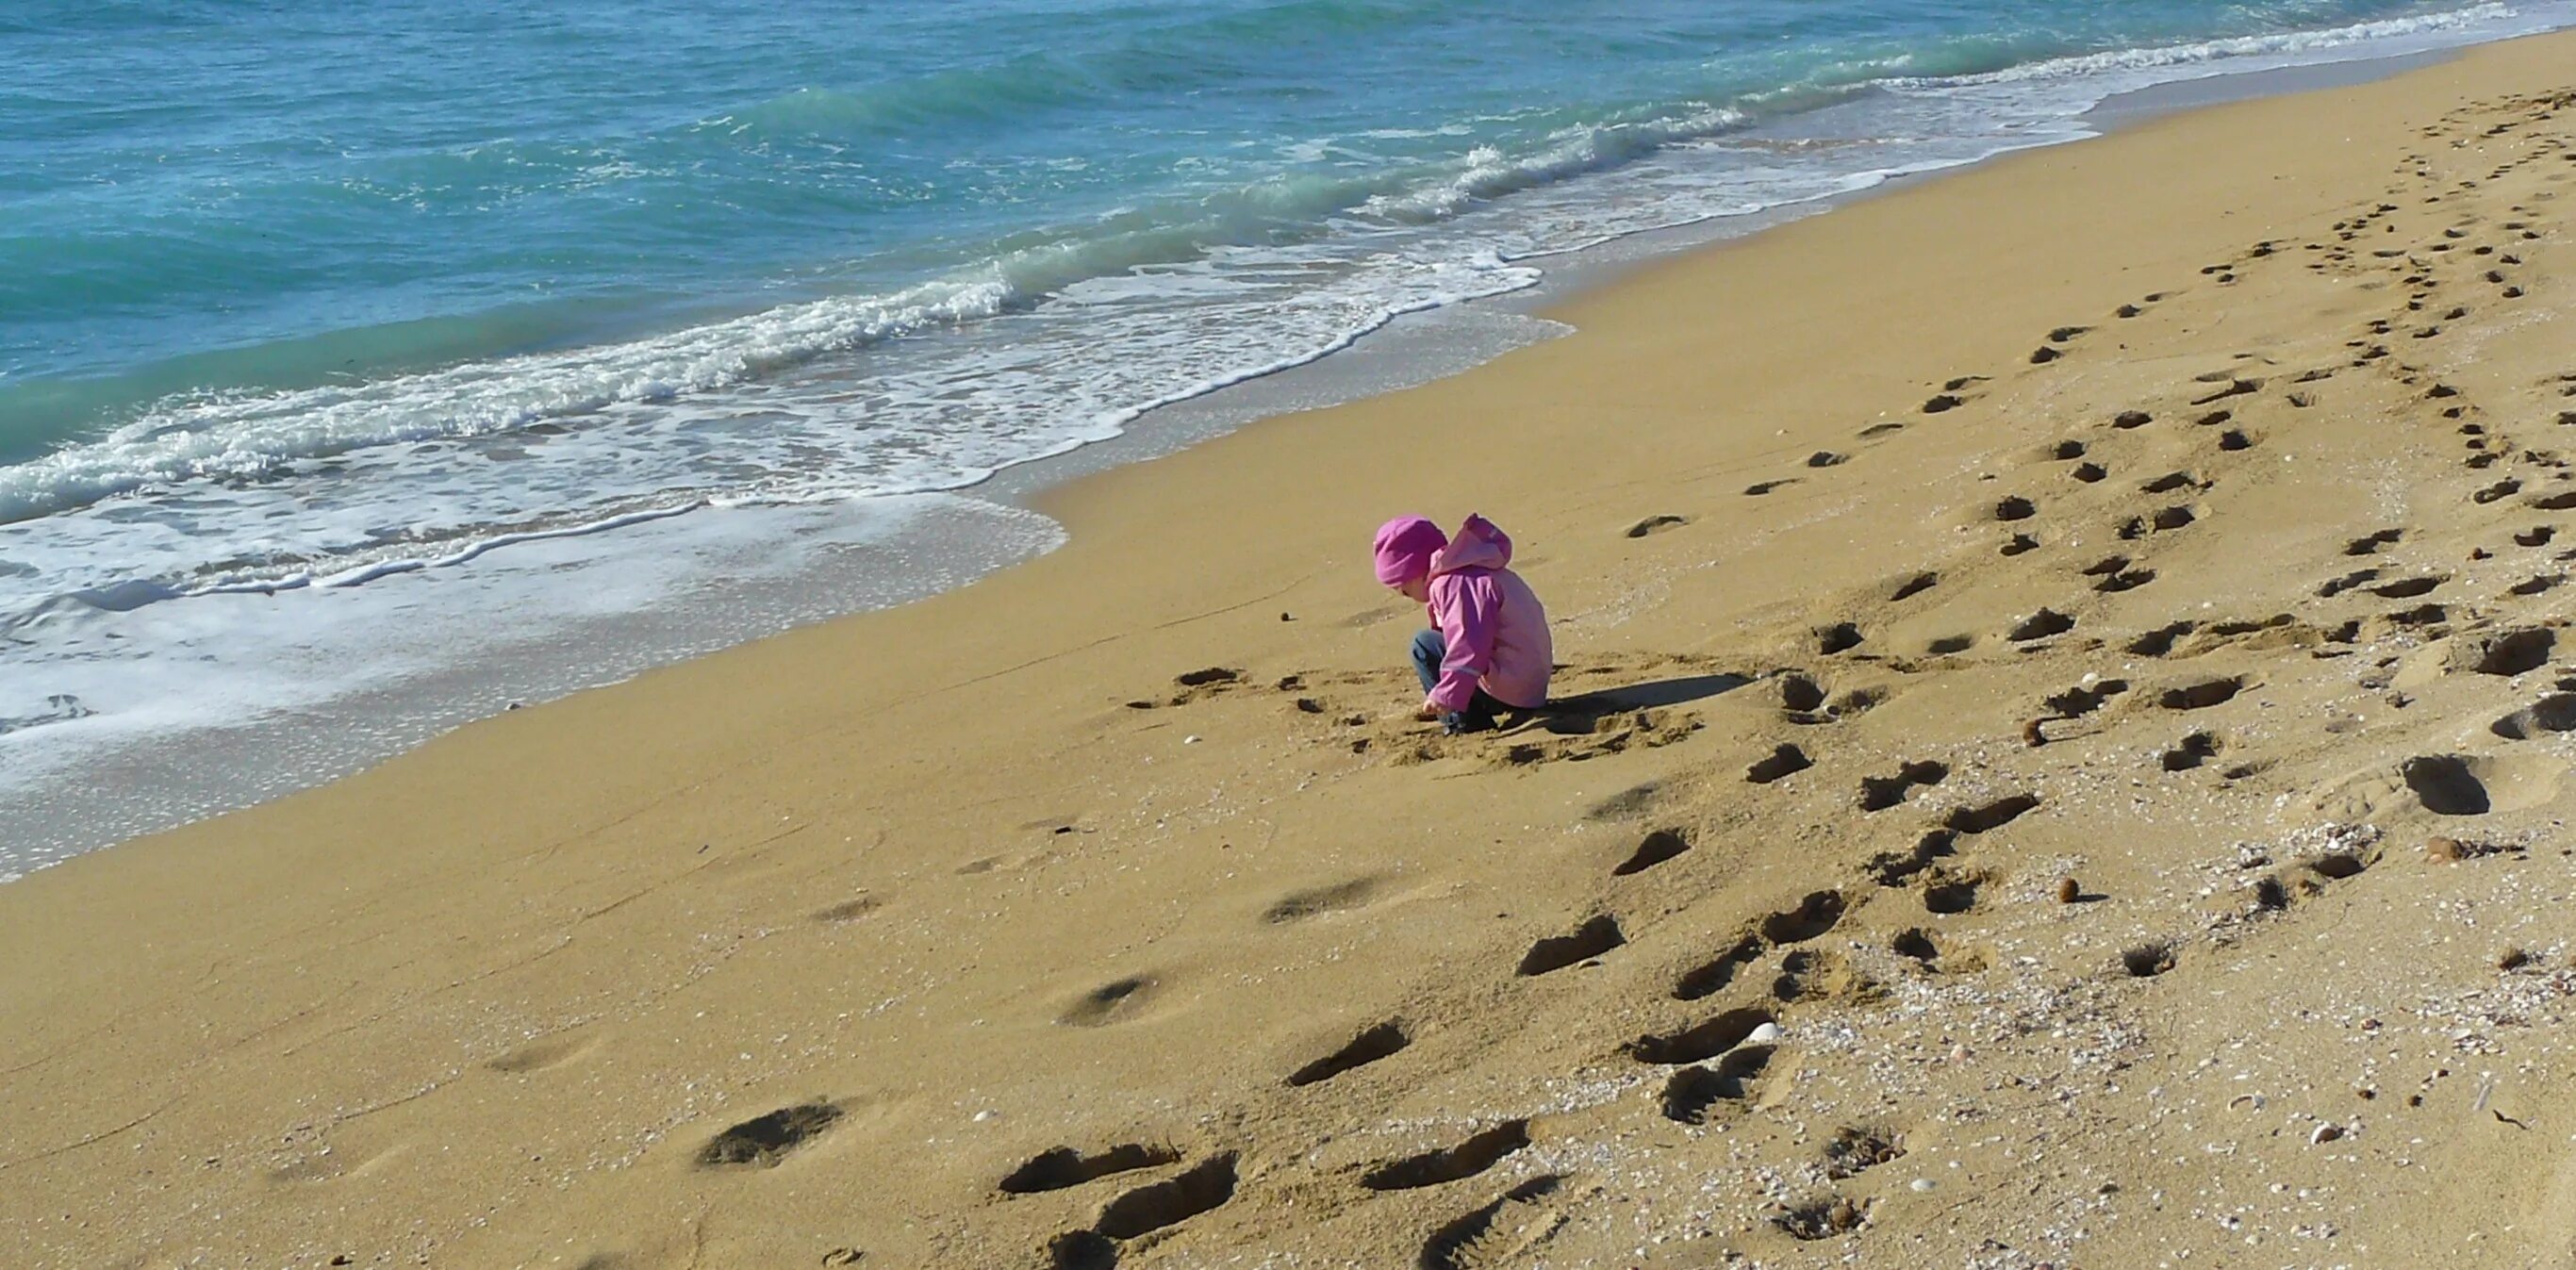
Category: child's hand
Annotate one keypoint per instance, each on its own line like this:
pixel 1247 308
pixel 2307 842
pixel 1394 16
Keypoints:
pixel 1427 712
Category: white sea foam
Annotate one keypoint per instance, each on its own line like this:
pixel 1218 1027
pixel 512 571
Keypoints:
pixel 254 435
pixel 150 714
pixel 2235 51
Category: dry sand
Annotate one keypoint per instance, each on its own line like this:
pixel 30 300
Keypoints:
pixel 2175 520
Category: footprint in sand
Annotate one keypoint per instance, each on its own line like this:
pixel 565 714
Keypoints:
pixel 1813 916
pixel 1855 1150
pixel 1830 1217
pixel 2446 786
pixel 2553 713
pixel 1837 638
pixel 848 911
pixel 1384 1040
pixel 1297 906
pixel 2190 752
pixel 1783 761
pixel 1878 793
pixel 2408 588
pixel 766 1141
pixel 1951 397
pixel 1657 847
pixel 2124 580
pixel 1707 978
pixel 1498 1232
pixel 1114 1002
pixel 1450 1164
pixel 1804 701
pixel 2083 699
pixel 1593 938
pixel 2147 960
pixel 1812 975
pixel 2163 520
pixel 1700 1042
pixel 2505 653
pixel 1694 1095
pixel 1196 685
pixel 2235 388
pixel 1989 816
pixel 2458 785
pixel 1065 1167
pixel 2201 694
pixel 1894 868
pixel 2040 625
pixel 1925 950
pixel 1908 585
pixel 1199 1189
pixel 1947 893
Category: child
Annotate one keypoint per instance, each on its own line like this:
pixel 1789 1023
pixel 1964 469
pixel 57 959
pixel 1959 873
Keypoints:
pixel 1488 649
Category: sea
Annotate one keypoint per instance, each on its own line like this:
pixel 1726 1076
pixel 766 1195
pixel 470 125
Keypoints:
pixel 372 366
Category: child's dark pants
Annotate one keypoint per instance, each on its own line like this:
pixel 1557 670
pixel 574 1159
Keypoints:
pixel 1428 650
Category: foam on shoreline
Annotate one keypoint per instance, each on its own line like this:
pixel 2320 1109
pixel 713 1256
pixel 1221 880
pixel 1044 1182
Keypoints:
pixel 139 669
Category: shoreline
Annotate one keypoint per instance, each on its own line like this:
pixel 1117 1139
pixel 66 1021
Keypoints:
pixel 1412 350
pixel 796 951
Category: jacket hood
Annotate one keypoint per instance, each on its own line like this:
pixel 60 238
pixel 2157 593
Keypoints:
pixel 1405 548
pixel 1478 545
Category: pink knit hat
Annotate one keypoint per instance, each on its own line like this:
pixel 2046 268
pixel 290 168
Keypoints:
pixel 1404 549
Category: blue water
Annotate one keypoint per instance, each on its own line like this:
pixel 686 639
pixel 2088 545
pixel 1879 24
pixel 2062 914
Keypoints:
pixel 297 295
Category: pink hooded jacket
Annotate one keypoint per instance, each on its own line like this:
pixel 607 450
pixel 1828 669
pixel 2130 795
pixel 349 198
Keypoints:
pixel 1493 624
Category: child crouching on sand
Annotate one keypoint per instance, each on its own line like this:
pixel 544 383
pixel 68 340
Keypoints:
pixel 1487 649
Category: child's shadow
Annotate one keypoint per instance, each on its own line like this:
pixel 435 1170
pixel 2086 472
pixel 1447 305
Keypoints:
pixel 1581 715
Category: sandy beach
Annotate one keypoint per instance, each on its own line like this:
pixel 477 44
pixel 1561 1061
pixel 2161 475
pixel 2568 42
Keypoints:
pixel 2065 741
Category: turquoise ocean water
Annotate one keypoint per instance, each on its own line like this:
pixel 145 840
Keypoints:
pixel 350 345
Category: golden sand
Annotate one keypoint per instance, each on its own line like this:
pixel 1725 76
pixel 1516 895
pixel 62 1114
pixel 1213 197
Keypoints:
pixel 2064 771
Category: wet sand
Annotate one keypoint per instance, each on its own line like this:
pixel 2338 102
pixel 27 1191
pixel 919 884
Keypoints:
pixel 2065 765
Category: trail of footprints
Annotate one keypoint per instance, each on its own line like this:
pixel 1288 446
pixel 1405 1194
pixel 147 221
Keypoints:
pixel 1711 1067
pixel 1714 1065
pixel 2209 406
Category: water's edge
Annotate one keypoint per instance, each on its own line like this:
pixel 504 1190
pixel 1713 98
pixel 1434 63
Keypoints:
pixel 785 567
pixel 1422 348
